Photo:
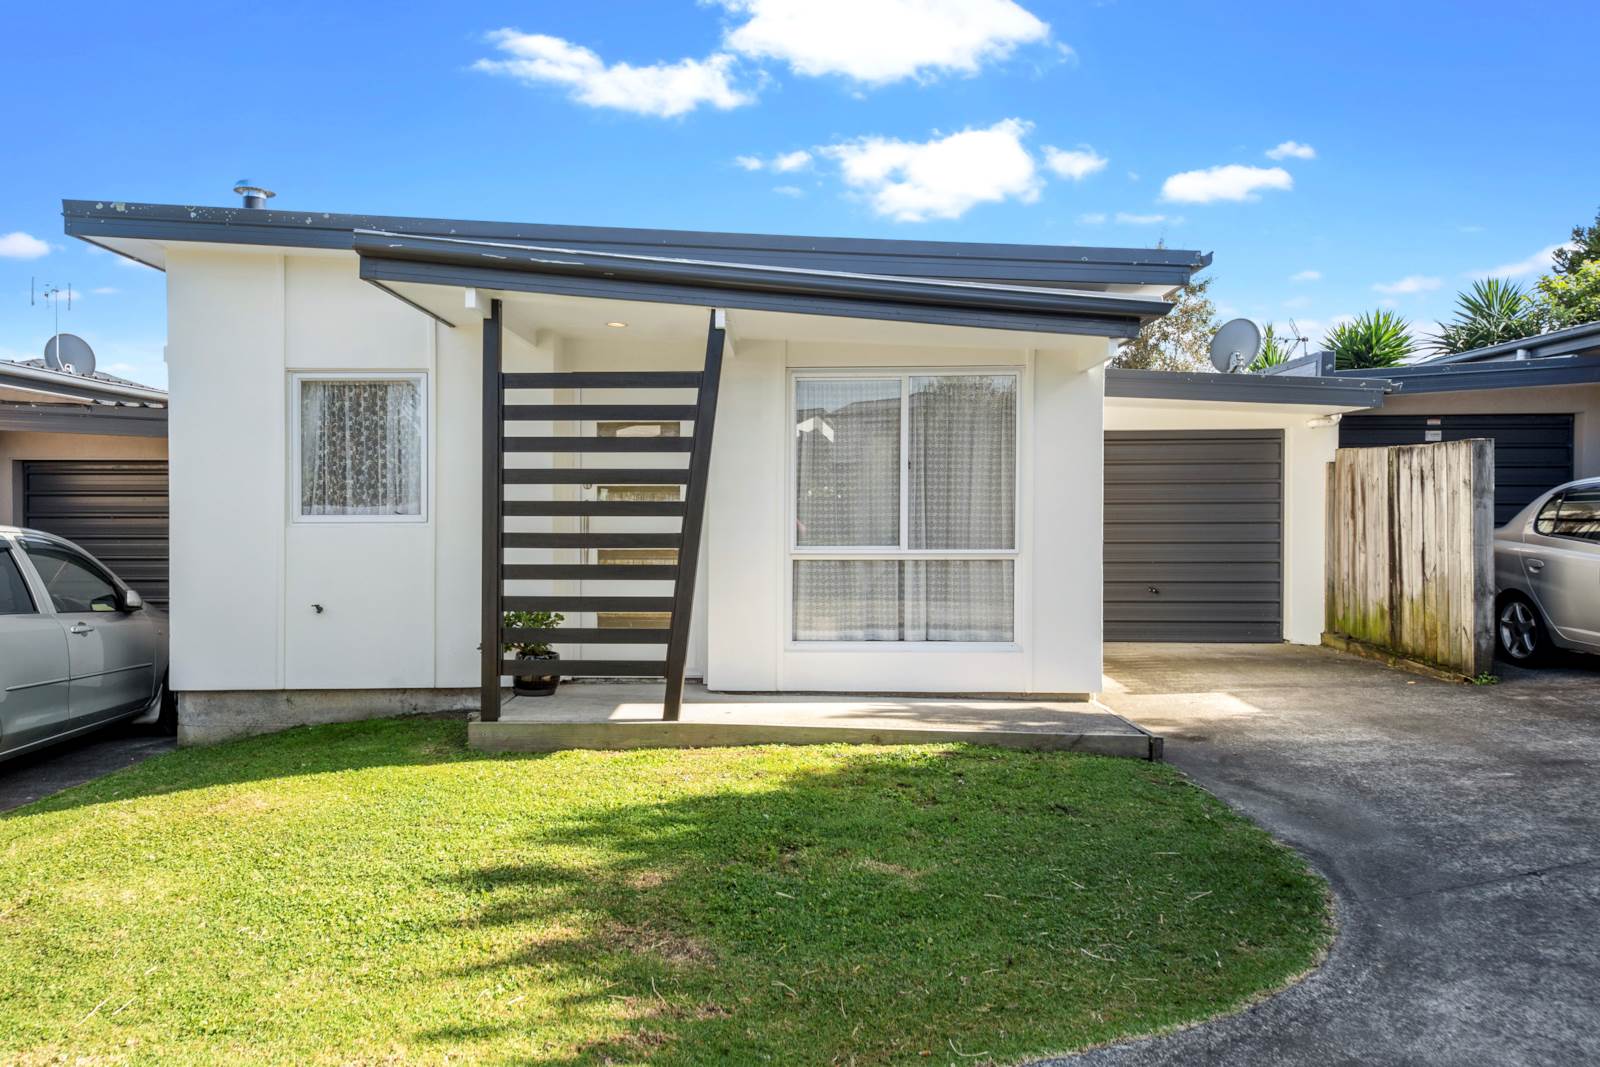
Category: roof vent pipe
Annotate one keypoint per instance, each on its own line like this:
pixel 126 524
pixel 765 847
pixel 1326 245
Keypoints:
pixel 254 195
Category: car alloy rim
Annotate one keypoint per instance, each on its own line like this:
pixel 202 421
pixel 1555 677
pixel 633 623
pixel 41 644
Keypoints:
pixel 1518 632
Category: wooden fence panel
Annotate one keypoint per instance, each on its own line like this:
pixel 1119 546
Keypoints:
pixel 1411 551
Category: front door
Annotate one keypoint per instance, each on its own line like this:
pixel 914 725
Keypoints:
pixel 33 663
pixel 110 653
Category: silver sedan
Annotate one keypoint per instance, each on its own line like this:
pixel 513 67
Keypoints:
pixel 78 648
pixel 1547 571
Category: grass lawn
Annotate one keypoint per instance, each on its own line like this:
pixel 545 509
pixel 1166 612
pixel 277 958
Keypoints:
pixel 378 893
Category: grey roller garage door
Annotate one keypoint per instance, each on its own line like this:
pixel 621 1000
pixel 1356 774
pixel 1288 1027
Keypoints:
pixel 1532 453
pixel 118 511
pixel 1194 536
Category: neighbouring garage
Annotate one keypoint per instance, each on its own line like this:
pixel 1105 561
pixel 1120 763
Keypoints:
pixel 1532 452
pixel 1194 535
pixel 115 510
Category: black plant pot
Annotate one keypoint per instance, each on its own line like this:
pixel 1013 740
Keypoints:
pixel 538 685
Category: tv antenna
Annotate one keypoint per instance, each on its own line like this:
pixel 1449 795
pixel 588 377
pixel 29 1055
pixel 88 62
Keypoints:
pixel 1235 346
pixel 1295 339
pixel 52 294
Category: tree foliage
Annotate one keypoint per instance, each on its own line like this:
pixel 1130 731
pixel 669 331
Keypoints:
pixel 1585 248
pixel 1373 340
pixel 1178 341
pixel 1572 298
pixel 1492 311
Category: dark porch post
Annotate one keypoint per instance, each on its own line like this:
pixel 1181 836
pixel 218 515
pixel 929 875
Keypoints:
pixel 493 507
pixel 694 509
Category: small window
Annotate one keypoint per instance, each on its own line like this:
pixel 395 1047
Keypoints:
pixel 1577 516
pixel 14 596
pixel 74 584
pixel 361 448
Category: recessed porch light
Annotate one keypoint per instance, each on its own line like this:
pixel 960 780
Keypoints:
pixel 617 325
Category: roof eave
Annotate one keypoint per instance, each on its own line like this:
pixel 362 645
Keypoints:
pixel 1245 388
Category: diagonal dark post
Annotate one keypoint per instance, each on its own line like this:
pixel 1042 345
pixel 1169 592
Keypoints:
pixel 694 510
pixel 493 508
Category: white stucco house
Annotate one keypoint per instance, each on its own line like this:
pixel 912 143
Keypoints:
pixel 774 463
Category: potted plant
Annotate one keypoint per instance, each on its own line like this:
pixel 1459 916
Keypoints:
pixel 539 685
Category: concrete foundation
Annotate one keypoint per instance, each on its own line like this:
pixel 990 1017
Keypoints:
pixel 208 717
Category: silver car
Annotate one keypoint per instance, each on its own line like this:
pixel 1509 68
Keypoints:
pixel 78 648
pixel 1547 571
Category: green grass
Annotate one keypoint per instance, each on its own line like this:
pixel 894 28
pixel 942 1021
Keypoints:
pixel 378 893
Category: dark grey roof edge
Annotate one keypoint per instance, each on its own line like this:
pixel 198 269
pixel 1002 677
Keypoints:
pixel 319 229
pixel 1245 388
pixel 801 281
pixel 671 288
pixel 96 419
pixel 77 387
pixel 1502 374
pixel 1557 342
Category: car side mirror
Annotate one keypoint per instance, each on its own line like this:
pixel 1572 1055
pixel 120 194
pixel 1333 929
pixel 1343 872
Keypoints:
pixel 131 601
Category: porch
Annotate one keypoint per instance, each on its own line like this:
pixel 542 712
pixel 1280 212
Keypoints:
pixel 627 715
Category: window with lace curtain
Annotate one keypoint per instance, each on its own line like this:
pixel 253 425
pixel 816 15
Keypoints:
pixel 905 508
pixel 360 448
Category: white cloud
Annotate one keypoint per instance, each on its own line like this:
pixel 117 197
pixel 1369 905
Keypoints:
pixel 942 178
pixel 1233 181
pixel 881 41
pixel 1538 263
pixel 1093 218
pixel 1129 219
pixel 1411 283
pixel 783 163
pixel 1296 302
pixel 105 290
pixel 661 89
pixel 789 190
pixel 19 245
pixel 1306 276
pixel 1075 163
pixel 1292 150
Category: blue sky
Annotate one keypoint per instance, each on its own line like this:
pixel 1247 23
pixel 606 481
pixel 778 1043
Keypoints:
pixel 1335 157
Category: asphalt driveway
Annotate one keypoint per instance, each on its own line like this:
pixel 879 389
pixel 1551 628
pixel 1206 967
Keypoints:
pixel 50 770
pixel 1456 824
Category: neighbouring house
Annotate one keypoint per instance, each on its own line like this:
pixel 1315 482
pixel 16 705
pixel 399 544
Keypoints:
pixel 85 456
pixel 865 465
pixel 1538 399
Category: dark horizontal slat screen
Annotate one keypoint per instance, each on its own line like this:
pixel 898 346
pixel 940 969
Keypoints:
pixel 595 508
pixel 1193 536
pixel 642 379
pixel 116 510
pixel 594 475
pixel 590 668
pixel 598 412
pixel 1532 453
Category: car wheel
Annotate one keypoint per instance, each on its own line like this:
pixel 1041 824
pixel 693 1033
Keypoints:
pixel 167 720
pixel 1519 631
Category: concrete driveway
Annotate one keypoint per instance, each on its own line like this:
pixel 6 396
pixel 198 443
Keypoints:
pixel 1457 825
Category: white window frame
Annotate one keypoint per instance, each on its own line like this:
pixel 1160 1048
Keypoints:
pixel 420 379
pixel 797 552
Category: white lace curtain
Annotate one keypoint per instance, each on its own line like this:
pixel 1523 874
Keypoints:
pixel 360 447
pixel 960 496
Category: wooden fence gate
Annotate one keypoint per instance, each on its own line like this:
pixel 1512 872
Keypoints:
pixel 1410 564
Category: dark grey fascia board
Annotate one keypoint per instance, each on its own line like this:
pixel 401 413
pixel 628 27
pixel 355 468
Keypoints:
pixel 584 262
pixel 1569 341
pixel 1512 374
pixel 388 270
pixel 97 419
pixel 1036 264
pixel 674 286
pixel 1245 388
pixel 1314 365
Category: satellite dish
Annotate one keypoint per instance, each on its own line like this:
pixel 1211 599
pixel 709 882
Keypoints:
pixel 69 352
pixel 1235 346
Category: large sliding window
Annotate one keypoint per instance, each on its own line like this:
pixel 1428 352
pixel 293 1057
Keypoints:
pixel 905 507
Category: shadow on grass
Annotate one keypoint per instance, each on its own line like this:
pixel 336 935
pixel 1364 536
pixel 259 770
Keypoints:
pixel 954 903
pixel 301 750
